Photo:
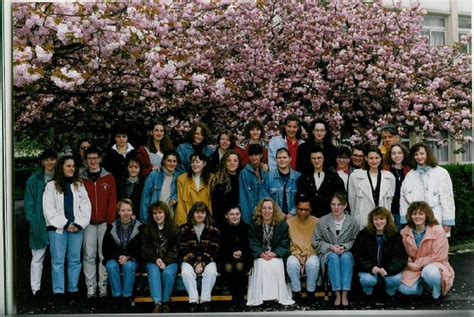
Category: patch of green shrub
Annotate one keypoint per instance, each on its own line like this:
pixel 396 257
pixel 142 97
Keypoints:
pixel 463 184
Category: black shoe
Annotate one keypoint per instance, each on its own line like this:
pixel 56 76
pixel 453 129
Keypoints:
pixel 193 307
pixel 297 297
pixel 205 307
pixel 165 308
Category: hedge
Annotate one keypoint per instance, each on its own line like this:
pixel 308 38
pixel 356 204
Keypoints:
pixel 463 184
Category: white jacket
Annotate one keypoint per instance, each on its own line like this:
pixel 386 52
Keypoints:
pixel 360 197
pixel 439 194
pixel 53 207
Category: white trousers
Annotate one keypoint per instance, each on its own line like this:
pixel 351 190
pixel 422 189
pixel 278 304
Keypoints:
pixel 36 268
pixel 208 280
pixel 93 237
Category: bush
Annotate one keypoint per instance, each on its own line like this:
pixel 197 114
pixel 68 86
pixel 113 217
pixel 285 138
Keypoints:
pixel 21 175
pixel 461 175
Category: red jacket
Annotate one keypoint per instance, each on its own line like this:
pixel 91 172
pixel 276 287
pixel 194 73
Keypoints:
pixel 103 196
pixel 144 158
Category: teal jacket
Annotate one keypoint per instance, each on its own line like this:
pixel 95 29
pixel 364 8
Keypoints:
pixel 34 210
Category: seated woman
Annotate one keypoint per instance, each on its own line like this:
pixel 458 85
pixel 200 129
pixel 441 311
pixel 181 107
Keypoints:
pixel 160 251
pixel 379 253
pixel 335 234
pixel 234 254
pixel 269 245
pixel 427 247
pixel 198 250
pixel 121 248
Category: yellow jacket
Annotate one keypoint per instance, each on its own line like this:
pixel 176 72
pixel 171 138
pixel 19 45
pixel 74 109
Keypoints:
pixel 188 194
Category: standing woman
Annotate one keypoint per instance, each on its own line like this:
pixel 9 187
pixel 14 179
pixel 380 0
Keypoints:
pixel 193 186
pixel 38 237
pixel 67 212
pixel 397 163
pixel 160 185
pixel 225 187
pixel 121 248
pixel 335 234
pixel 116 157
pixel 198 250
pixel 254 133
pixel 370 187
pixel 379 253
pixel 234 254
pixel 80 153
pixel 320 136
pixel 428 182
pixel 269 246
pixel 427 247
pixel 151 154
pixel 132 186
pixel 226 142
pixel 198 141
pixel 160 251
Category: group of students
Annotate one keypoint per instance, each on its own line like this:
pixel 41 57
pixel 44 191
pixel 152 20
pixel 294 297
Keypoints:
pixel 271 209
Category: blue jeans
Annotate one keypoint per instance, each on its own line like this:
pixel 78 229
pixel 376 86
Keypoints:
pixel 430 278
pixel 369 280
pixel 64 246
pixel 121 285
pixel 161 281
pixel 340 270
pixel 311 269
pixel 396 219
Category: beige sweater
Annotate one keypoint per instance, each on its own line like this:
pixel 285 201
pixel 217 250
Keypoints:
pixel 301 235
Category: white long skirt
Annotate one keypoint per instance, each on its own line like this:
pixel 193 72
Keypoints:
pixel 267 282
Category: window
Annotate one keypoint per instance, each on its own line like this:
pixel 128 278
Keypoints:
pixel 468 149
pixel 440 152
pixel 434 27
pixel 464 27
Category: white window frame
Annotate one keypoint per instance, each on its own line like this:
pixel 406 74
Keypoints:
pixel 428 30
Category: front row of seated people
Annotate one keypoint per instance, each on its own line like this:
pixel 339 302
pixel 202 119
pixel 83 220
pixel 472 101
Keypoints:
pixel 408 262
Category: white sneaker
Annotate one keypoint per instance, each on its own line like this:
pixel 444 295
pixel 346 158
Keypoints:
pixel 92 291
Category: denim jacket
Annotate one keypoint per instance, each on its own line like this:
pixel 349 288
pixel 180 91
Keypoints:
pixel 273 184
pixel 152 190
pixel 185 150
pixel 251 191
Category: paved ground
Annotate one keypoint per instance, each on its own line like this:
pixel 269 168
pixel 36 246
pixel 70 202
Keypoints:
pixel 459 301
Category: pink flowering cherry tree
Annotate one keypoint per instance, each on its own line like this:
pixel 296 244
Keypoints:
pixel 80 68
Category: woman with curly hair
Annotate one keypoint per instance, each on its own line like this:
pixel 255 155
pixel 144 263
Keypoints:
pixel 379 253
pixel 269 247
pixel 160 251
pixel 427 247
pixel 224 186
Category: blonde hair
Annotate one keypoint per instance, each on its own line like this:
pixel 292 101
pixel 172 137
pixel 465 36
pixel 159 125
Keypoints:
pixel 278 215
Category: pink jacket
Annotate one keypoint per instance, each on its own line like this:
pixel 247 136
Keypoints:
pixel 433 249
